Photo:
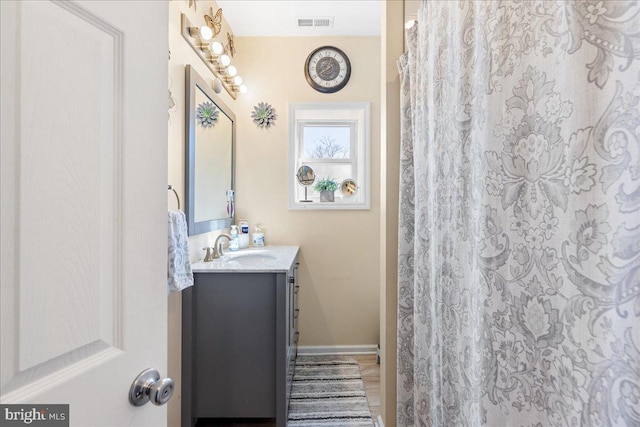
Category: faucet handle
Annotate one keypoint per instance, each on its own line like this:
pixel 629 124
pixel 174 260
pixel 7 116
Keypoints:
pixel 219 251
pixel 209 255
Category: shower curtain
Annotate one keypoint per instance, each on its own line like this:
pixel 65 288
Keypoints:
pixel 519 233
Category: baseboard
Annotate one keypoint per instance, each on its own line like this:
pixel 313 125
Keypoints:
pixel 337 349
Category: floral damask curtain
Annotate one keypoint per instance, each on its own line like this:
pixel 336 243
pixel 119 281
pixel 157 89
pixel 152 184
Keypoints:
pixel 519 238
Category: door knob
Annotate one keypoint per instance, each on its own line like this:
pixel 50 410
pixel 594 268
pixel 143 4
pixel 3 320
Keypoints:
pixel 149 387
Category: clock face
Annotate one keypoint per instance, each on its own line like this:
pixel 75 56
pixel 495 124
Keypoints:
pixel 327 69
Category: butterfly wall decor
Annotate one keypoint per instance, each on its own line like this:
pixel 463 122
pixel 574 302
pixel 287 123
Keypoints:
pixel 214 21
pixel 230 46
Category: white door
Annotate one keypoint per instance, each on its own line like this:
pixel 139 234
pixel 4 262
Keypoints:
pixel 83 205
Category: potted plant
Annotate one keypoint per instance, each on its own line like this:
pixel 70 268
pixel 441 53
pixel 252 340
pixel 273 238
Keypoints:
pixel 326 187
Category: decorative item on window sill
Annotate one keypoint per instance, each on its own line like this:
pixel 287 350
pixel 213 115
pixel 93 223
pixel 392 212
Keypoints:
pixel 263 115
pixel 348 187
pixel 212 53
pixel 326 187
pixel 306 176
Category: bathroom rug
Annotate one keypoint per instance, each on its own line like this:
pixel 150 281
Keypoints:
pixel 328 391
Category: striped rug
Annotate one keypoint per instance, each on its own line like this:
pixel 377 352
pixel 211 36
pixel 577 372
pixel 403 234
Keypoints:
pixel 328 392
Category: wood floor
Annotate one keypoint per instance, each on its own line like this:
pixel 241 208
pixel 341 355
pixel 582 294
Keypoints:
pixel 370 372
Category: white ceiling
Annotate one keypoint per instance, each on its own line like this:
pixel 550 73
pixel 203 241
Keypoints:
pixel 278 18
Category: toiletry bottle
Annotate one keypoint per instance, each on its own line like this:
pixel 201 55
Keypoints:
pixel 244 233
pixel 234 243
pixel 258 237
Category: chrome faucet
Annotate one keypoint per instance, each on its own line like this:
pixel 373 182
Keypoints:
pixel 217 246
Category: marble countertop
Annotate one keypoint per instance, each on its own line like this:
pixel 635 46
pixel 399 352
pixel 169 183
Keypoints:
pixel 267 259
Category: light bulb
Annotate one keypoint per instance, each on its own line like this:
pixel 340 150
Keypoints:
pixel 231 70
pixel 217 48
pixel 243 88
pixel 206 33
pixel 225 60
pixel 237 80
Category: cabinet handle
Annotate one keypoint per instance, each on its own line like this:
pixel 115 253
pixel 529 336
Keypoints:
pixel 291 279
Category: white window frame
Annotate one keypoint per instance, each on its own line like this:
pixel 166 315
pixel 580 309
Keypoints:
pixel 354 114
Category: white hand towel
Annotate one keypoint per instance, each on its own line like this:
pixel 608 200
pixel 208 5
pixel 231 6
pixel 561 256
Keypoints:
pixel 179 274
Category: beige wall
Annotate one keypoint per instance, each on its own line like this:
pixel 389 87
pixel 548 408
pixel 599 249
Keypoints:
pixel 339 300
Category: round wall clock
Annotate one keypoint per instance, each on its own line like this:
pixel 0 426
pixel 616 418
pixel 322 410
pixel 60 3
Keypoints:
pixel 327 69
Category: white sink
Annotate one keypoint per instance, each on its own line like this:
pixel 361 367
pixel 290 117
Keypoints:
pixel 250 257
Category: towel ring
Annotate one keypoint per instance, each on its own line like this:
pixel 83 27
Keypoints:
pixel 170 187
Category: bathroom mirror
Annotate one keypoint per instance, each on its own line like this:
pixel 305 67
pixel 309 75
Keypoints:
pixel 306 176
pixel 209 157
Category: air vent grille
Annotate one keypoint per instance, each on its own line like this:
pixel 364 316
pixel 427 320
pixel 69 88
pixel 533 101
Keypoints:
pixel 320 21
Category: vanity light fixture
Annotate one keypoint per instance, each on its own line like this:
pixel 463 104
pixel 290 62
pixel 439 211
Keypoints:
pixel 224 60
pixel 213 54
pixel 206 33
pixel 228 77
pixel 203 32
pixel 216 48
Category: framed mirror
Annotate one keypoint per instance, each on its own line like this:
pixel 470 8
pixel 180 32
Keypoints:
pixel 209 157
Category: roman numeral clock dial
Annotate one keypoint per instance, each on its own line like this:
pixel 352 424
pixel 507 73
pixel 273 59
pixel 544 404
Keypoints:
pixel 327 69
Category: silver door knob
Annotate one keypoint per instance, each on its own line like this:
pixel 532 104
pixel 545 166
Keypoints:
pixel 149 387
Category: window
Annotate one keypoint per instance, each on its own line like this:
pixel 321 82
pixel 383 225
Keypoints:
pixel 333 140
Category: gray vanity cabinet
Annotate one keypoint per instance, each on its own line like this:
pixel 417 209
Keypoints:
pixel 239 344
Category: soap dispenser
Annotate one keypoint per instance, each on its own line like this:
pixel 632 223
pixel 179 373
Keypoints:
pixel 234 243
pixel 258 237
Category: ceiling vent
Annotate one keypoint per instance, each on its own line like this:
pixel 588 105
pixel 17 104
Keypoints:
pixel 324 21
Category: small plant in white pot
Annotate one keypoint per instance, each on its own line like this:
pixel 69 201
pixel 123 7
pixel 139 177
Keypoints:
pixel 326 187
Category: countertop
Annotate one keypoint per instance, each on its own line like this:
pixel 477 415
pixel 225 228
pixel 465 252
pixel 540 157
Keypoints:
pixel 267 259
